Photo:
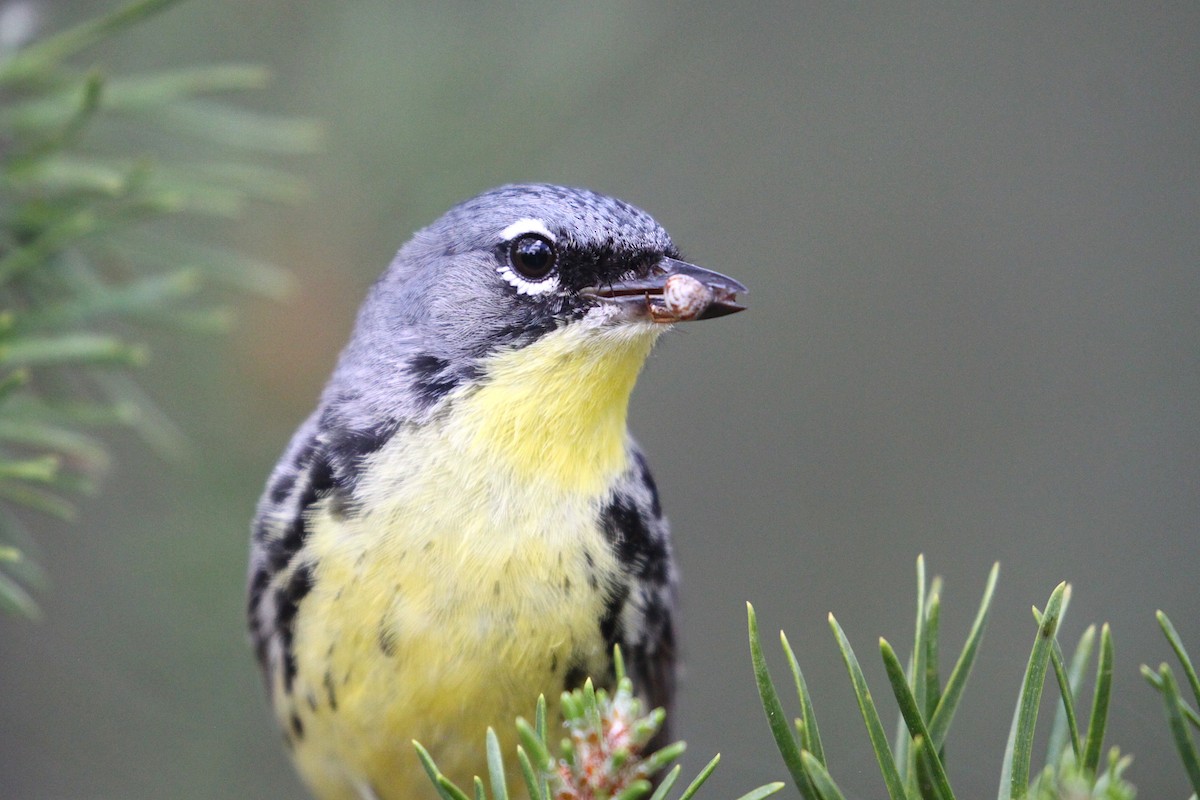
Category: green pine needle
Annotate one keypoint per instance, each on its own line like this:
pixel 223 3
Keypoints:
pixel 810 736
pixel 1057 741
pixel 496 767
pixel 1184 744
pixel 822 780
pixel 1099 716
pixel 910 709
pixel 703 776
pixel 1180 652
pixel 870 715
pixel 1015 769
pixel 1066 692
pixel 776 718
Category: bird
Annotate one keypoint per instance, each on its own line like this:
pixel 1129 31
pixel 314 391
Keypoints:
pixel 464 521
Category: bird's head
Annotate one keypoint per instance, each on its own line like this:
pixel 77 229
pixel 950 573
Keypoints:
pixel 513 266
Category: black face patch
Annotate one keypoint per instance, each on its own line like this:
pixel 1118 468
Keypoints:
pixel 580 265
pixel 606 262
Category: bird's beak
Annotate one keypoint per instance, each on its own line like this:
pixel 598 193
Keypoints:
pixel 674 291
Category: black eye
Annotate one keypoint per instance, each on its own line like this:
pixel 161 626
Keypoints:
pixel 532 255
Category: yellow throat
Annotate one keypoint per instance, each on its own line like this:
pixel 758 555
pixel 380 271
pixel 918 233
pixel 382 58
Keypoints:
pixel 555 410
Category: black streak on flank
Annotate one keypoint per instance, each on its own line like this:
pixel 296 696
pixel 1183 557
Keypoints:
pixel 281 549
pixel 282 487
pixel 303 456
pixel 342 461
pixel 287 602
pixel 625 529
pixel 648 481
pixel 321 480
pixel 258 585
pixel 348 448
pixel 610 621
pixel 297 726
pixel 638 549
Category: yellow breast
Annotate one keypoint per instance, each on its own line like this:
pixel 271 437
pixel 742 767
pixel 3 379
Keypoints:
pixel 472 577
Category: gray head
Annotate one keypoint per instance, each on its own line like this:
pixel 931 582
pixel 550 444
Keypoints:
pixel 498 272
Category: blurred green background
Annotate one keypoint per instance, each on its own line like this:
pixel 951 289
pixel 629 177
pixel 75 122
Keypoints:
pixel 972 238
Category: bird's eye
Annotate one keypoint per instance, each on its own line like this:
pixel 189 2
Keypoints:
pixel 532 255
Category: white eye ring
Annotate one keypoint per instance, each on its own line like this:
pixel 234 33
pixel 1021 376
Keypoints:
pixel 523 285
pixel 526 225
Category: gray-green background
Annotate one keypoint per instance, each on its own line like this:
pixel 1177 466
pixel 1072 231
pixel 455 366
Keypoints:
pixel 972 243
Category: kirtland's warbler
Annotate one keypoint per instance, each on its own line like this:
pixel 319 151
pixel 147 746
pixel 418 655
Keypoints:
pixel 465 522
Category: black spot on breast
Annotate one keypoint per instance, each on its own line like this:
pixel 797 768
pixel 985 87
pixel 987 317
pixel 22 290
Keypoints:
pixel 387 640
pixel 287 603
pixel 576 676
pixel 592 579
pixel 432 378
pixel 297 727
pixel 330 693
